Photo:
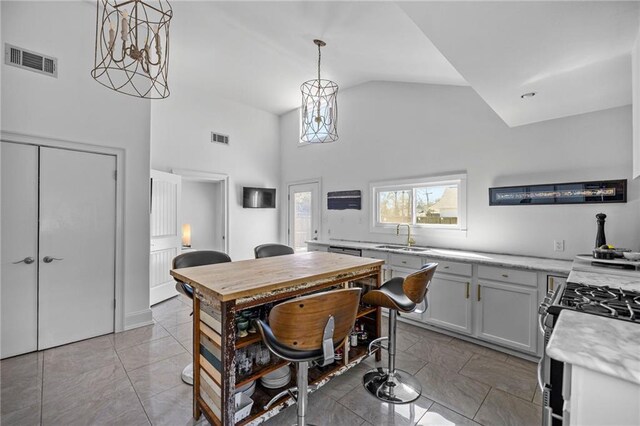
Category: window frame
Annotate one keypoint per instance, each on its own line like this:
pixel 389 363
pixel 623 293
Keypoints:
pixel 375 188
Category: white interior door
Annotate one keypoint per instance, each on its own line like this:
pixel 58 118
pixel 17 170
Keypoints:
pixel 77 246
pixel 304 214
pixel 19 229
pixel 166 233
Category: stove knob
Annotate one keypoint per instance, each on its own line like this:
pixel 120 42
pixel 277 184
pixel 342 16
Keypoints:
pixel 543 308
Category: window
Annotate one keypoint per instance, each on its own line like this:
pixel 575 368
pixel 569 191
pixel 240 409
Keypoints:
pixel 433 202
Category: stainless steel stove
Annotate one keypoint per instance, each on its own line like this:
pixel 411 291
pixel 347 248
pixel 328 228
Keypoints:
pixel 553 379
pixel 604 301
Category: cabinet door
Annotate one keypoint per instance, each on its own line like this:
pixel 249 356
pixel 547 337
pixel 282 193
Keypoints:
pixel 402 272
pixel 449 303
pixel 507 315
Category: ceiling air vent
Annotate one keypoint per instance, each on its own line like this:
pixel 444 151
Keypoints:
pixel 31 61
pixel 219 138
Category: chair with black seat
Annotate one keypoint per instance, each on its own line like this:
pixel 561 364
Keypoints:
pixel 188 260
pixel 398 295
pixel 307 330
pixel 270 250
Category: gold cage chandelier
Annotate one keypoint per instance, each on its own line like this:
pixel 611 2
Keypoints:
pixel 132 47
pixel 319 112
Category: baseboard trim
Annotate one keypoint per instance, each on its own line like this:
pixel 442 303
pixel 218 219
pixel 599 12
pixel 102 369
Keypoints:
pixel 138 319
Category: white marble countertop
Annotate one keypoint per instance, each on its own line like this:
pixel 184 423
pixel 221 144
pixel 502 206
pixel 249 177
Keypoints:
pixel 492 259
pixel 624 282
pixel 607 345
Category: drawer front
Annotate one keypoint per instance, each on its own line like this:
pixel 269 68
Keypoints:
pixel 374 254
pixel 508 275
pixel 406 261
pixel 456 268
pixel 316 247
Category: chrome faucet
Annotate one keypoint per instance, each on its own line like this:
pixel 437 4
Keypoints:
pixel 409 239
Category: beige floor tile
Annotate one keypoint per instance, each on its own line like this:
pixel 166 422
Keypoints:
pixel 443 354
pixel 170 305
pixel 150 352
pixel 529 365
pixel 21 382
pixel 188 345
pixel 322 411
pixel 80 357
pixel 442 416
pixel 175 318
pixel 27 416
pixel 339 386
pixel 171 407
pixel 404 361
pixel 477 349
pixel 511 378
pixel 424 333
pixel 182 332
pixel 376 412
pixel 537 397
pixel 76 387
pixel 451 389
pixel 139 335
pixel 103 405
pixel 500 408
pixel 160 376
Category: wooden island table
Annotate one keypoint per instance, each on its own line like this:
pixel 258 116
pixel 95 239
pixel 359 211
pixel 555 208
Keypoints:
pixel 222 290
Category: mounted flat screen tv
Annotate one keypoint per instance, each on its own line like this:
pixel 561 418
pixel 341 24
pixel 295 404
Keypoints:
pixel 258 198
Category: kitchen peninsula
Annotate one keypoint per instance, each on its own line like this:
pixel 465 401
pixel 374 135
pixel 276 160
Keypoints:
pixel 222 291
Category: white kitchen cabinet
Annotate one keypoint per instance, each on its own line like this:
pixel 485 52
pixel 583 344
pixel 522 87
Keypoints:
pixel 449 300
pixel 506 314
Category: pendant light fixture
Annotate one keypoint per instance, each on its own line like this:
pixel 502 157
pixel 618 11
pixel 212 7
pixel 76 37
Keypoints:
pixel 319 112
pixel 132 47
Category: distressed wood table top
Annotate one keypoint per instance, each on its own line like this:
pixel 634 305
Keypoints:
pixel 246 278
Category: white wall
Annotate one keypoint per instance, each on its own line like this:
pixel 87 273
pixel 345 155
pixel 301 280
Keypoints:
pixel 74 107
pixel 201 208
pixel 180 135
pixel 635 76
pixel 395 130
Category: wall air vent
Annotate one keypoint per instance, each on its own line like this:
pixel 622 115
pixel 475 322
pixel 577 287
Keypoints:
pixel 219 138
pixel 31 61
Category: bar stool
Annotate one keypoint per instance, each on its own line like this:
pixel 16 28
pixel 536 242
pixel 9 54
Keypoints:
pixel 307 330
pixel 269 250
pixel 188 260
pixel 398 294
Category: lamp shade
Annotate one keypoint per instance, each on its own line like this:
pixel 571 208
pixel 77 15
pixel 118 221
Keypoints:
pixel 186 235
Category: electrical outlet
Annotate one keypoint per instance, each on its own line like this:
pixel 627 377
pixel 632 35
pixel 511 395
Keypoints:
pixel 558 245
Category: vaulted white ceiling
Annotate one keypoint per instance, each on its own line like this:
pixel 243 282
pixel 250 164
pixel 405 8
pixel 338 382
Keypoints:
pixel 575 55
pixel 259 53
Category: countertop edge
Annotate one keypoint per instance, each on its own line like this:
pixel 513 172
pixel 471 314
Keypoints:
pixel 519 263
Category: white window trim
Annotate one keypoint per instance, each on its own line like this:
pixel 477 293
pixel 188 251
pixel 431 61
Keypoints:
pixel 388 228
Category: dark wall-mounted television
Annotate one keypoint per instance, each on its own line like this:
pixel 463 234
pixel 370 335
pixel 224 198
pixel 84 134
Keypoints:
pixel 258 198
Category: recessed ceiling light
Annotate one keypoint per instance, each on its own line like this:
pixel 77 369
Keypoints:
pixel 528 95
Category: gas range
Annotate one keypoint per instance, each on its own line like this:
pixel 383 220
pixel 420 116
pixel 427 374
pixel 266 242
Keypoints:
pixel 597 300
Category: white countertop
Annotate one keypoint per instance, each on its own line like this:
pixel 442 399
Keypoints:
pixel 607 345
pixel 624 282
pixel 493 259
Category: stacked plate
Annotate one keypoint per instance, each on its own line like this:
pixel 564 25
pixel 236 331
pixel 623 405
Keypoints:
pixel 277 378
pixel 247 389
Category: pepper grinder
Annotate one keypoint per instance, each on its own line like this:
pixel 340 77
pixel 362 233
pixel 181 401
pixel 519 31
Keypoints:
pixel 600 238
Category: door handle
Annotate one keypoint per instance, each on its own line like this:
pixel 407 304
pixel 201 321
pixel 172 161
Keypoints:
pixel 479 292
pixel 49 259
pixel 27 260
pixel 468 288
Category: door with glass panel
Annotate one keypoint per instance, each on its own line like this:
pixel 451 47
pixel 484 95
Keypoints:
pixel 304 214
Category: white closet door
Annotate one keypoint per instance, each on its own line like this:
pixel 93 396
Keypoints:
pixel 77 246
pixel 166 234
pixel 19 279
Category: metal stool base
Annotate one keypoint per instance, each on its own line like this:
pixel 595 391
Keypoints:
pixel 400 388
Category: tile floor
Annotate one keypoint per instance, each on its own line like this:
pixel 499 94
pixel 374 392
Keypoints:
pixel 133 378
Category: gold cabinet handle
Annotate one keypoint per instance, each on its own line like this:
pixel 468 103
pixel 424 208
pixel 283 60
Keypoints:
pixel 479 292
pixel 505 275
pixel 446 267
pixel 551 283
pixel 468 289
